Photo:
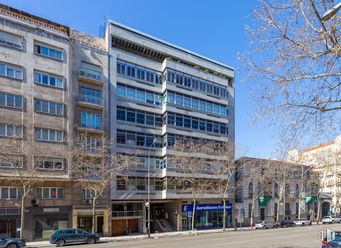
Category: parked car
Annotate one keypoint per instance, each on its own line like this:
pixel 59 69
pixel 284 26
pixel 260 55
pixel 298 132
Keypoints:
pixel 302 222
pixel 336 219
pixel 327 220
pixel 287 223
pixel 264 224
pixel 61 237
pixel 8 242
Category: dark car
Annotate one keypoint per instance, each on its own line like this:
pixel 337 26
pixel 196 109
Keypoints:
pixel 72 235
pixel 8 242
pixel 287 223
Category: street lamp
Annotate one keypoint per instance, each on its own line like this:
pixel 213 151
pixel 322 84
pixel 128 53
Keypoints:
pixel 148 199
pixel 331 12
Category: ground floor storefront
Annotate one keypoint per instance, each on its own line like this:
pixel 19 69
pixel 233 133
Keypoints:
pixel 82 218
pixel 9 221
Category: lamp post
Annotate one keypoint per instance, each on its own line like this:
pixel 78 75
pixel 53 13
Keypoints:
pixel 331 12
pixel 148 187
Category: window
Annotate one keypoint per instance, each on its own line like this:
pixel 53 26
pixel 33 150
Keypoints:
pixel 47 79
pixel 86 194
pixel 50 193
pixel 90 95
pixel 91 71
pixel 48 107
pixel 138 94
pixel 121 114
pixel 140 118
pixel 50 164
pixel 141 184
pixel 131 115
pixel 10 192
pixel 47 51
pixel 91 120
pixel 150 119
pixel 187 122
pixel 10 130
pixel 42 134
pixel 133 138
pixel 11 71
pixel 11 40
pixel 11 162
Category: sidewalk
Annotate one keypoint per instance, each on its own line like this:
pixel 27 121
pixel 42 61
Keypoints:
pixel 144 236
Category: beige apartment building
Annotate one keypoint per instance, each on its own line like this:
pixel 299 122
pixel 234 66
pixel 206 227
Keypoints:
pixel 326 160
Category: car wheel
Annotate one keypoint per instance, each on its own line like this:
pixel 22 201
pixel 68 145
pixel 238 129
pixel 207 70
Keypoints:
pixel 60 242
pixel 332 222
pixel 91 241
pixel 12 246
pixel 303 224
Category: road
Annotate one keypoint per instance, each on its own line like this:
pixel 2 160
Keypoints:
pixel 298 237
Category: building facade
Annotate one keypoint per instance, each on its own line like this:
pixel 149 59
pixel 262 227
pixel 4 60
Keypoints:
pixel 162 92
pixel 253 192
pixel 35 62
pixel 137 91
pixel 326 160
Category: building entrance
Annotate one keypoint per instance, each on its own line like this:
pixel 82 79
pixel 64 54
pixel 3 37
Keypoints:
pixel 8 228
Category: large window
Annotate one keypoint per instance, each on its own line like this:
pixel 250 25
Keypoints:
pixel 43 134
pixel 90 95
pixel 48 51
pixel 11 71
pixel 10 130
pixel 50 193
pixel 10 192
pixel 195 83
pixel 196 104
pixel 138 94
pixel 48 107
pixel 137 139
pixel 138 72
pixel 91 120
pixel 11 101
pixel 50 163
pixel 11 40
pixel 11 162
pixel 139 117
pixel 47 79
pixel 91 71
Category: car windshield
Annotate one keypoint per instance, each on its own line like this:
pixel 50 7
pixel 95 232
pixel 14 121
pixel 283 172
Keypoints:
pixel 4 237
pixel 259 222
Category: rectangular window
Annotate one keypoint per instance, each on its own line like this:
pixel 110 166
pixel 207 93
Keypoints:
pixel 121 114
pixel 140 117
pixel 150 119
pixel 11 101
pixel 131 115
pixel 11 40
pixel 42 134
pixel 90 71
pixel 11 162
pixel 179 121
pixel 50 193
pixel 130 93
pixel 90 95
pixel 121 137
pixel 10 130
pixel 140 96
pixel 47 51
pixel 11 71
pixel 195 123
pixel 187 102
pixel 150 97
pixel 187 122
pixel 47 79
pixel 10 192
pixel 48 107
pixel 91 120
pixel 179 100
pixel 50 164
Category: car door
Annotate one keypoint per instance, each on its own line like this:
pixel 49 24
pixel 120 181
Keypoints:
pixel 70 236
pixel 81 235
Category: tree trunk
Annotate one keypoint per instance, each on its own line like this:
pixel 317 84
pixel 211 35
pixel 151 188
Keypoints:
pixel 22 215
pixel 278 210
pixel 224 214
pixel 318 210
pixel 299 207
pixel 193 214
pixel 93 214
pixel 252 212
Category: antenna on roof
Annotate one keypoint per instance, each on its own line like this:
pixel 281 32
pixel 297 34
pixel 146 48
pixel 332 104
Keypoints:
pixel 102 26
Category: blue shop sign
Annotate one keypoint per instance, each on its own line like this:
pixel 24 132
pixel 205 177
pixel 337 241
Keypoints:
pixel 207 207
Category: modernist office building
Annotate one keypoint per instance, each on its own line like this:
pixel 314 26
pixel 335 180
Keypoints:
pixel 56 82
pixel 163 92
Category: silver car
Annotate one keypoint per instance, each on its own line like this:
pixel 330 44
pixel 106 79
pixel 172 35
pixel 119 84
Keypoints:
pixel 265 224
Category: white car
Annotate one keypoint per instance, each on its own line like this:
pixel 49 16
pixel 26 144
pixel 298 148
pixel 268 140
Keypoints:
pixel 327 220
pixel 264 225
pixel 336 219
pixel 302 222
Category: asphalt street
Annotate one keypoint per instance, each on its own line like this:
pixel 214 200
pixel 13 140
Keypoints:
pixel 298 237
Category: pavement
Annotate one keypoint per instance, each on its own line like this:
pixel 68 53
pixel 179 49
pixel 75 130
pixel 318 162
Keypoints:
pixel 297 237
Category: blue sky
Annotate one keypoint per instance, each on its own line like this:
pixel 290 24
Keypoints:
pixel 212 28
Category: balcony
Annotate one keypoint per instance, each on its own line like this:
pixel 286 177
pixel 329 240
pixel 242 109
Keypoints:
pixel 91 128
pixel 90 77
pixel 89 101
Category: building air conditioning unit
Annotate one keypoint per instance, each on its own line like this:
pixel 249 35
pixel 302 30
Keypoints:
pixel 35 202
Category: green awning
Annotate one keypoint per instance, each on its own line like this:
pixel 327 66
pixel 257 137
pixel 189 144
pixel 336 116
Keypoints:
pixel 310 199
pixel 263 200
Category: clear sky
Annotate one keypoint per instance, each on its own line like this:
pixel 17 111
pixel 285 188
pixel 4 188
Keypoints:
pixel 213 28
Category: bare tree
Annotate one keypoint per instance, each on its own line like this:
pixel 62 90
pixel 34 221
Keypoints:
pixel 295 54
pixel 12 152
pixel 190 158
pixel 223 168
